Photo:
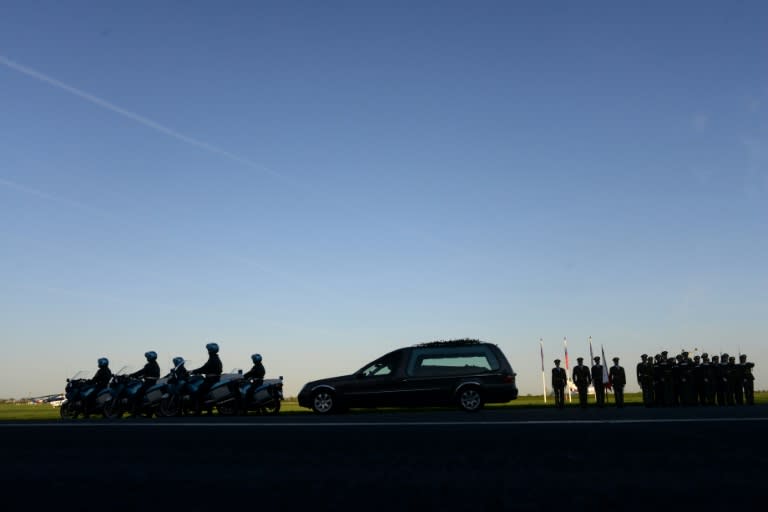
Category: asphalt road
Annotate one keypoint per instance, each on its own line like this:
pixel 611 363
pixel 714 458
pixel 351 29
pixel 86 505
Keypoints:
pixel 521 459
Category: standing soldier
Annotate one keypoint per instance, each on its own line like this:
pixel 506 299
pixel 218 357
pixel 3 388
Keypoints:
pixel 618 380
pixel 670 398
pixel 709 388
pixel 738 386
pixel 582 379
pixel 641 381
pixel 700 397
pixel 597 382
pixel 733 381
pixel 559 380
pixel 658 381
pixel 648 398
pixel 687 384
pixel 720 379
pixel 749 380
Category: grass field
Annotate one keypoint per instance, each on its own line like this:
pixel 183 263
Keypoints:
pixel 17 412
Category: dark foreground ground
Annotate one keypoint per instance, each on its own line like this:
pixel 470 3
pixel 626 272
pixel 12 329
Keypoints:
pixel 543 459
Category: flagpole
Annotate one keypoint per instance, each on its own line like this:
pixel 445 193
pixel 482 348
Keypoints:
pixel 606 383
pixel 543 377
pixel 567 370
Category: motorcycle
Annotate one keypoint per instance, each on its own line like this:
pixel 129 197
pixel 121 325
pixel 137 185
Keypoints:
pixel 264 399
pixel 150 404
pixel 178 396
pixel 78 393
pixel 127 397
pixel 225 394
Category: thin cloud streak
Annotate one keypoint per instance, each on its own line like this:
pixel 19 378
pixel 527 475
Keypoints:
pixel 136 117
pixel 50 197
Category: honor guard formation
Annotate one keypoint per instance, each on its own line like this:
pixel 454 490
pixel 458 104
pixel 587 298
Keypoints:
pixel 665 381
pixel 670 381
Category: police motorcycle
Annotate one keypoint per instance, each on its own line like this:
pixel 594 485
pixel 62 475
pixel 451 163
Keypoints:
pixel 126 396
pixel 132 401
pixel 225 394
pixel 78 393
pixel 265 398
pixel 150 403
pixel 121 393
pixel 180 389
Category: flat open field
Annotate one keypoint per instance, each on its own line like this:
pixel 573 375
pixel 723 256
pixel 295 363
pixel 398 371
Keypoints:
pixel 46 412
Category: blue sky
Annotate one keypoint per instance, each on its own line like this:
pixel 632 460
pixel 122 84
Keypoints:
pixel 324 183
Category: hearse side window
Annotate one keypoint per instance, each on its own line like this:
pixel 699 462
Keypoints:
pixel 384 366
pixel 451 361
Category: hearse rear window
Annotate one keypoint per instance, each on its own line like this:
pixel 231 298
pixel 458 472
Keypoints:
pixel 451 361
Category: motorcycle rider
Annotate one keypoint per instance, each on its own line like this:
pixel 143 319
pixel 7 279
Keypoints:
pixel 256 373
pixel 100 381
pixel 150 373
pixel 212 370
pixel 179 371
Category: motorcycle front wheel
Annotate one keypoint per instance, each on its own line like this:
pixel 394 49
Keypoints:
pixel 67 411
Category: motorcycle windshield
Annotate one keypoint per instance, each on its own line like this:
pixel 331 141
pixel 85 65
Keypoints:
pixel 125 370
pixel 82 374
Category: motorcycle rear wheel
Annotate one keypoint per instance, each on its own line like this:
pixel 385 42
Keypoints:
pixel 170 406
pixel 113 410
pixel 272 409
pixel 227 409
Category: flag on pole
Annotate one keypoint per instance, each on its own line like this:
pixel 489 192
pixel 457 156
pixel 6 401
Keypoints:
pixel 543 376
pixel 591 354
pixel 606 381
pixel 565 345
pixel 567 369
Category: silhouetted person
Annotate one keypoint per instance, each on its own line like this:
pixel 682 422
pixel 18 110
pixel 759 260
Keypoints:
pixel 559 381
pixel 658 381
pixel 709 380
pixel 749 380
pixel 582 378
pixel 734 383
pixel 644 374
pixel 618 380
pixel 150 373
pixel 100 380
pixel 256 373
pixel 597 382
pixel 212 370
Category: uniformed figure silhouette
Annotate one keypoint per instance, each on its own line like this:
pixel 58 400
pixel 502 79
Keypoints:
pixel 597 382
pixel 658 381
pixel 582 379
pixel 645 379
pixel 721 377
pixel 709 378
pixel 559 381
pixel 734 384
pixel 738 384
pixel 749 380
pixel 618 380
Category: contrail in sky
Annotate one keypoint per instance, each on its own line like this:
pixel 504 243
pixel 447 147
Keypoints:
pixel 136 117
pixel 50 197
